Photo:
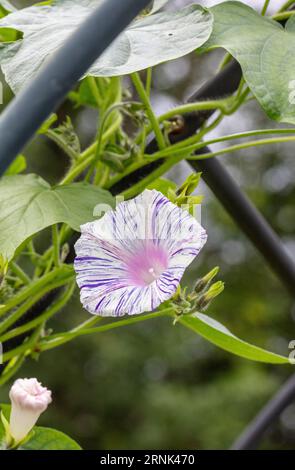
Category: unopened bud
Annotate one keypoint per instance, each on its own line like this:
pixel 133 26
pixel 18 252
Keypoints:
pixel 190 184
pixel 28 401
pixel 204 301
pixel 204 282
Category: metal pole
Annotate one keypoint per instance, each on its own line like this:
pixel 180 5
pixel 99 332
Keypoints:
pixel 33 105
pixel 270 413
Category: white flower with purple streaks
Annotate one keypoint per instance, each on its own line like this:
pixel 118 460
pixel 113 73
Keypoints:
pixel 132 259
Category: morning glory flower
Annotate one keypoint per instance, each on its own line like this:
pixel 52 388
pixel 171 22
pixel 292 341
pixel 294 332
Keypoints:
pixel 133 258
pixel 28 401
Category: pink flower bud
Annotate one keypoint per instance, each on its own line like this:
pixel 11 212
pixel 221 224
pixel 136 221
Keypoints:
pixel 29 400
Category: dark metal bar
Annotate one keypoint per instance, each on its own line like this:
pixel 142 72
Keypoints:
pixel 33 105
pixel 253 433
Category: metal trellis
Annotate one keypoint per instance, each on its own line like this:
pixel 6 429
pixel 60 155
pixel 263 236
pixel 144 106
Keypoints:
pixel 57 77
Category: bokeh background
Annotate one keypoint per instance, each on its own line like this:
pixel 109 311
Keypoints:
pixel 155 386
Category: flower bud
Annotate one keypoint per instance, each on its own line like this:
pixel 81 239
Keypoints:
pixel 202 283
pixel 207 298
pixel 29 400
pixel 190 184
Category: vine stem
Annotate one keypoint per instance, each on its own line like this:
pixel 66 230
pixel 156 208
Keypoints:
pixel 286 5
pixel 63 338
pixel 13 366
pixel 16 314
pixel 25 348
pixel 244 146
pixel 284 15
pixel 64 272
pixel 17 270
pixel 148 83
pixel 86 157
pixel 52 310
pixel 150 158
pixel 161 170
pixel 94 89
pixel 142 93
pixel 195 144
pixel 221 105
pixel 56 245
pixel 265 7
pixel 178 152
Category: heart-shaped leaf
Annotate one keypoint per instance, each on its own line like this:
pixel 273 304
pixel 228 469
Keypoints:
pixel 219 335
pixel 148 41
pixel 265 51
pixel 29 204
pixel 49 439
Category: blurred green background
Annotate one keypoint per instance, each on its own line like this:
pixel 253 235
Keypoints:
pixel 158 386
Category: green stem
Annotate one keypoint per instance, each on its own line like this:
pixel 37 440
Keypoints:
pixel 100 134
pixel 286 5
pixel 148 83
pixel 161 170
pixel 224 105
pixel 20 311
pixel 246 145
pixel 188 108
pixel 42 318
pixel 63 338
pixel 265 7
pixel 87 156
pixel 179 149
pixel 150 113
pixel 56 245
pixel 64 272
pixel 94 90
pixel 17 270
pixel 12 367
pixel 283 15
pixel 141 162
pixel 25 348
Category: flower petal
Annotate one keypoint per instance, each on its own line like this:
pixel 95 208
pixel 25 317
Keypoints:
pixel 133 258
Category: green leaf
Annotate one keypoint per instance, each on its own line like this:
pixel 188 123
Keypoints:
pixel 49 439
pixel 29 204
pixel 265 51
pixel 219 335
pixel 148 41
pixel 41 438
pixel 18 165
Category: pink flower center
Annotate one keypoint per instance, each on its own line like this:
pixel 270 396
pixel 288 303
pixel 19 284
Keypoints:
pixel 147 263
